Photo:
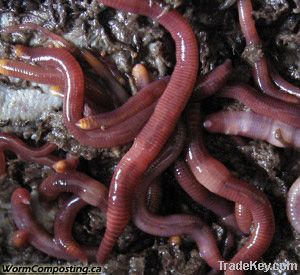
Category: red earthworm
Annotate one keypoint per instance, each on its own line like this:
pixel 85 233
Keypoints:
pixel 98 67
pixel 254 126
pixel 73 100
pixel 32 26
pixel 64 221
pixel 168 226
pixel 143 99
pixel 15 68
pixel 261 72
pixel 46 75
pixel 173 224
pixel 12 143
pixel 88 189
pixel 63 224
pixel 292 205
pixel 24 220
pixel 283 84
pixel 243 218
pixel 217 179
pixel 168 155
pixel 157 130
pixel 210 83
pixel 22 150
pixel 264 104
pixel 51 76
pixel 222 208
pixel 170 151
pixel 31 231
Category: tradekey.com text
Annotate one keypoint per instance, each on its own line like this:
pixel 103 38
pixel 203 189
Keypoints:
pixel 258 266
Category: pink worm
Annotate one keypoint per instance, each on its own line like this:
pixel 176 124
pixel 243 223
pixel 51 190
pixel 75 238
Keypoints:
pixel 217 179
pixel 254 126
pixel 22 150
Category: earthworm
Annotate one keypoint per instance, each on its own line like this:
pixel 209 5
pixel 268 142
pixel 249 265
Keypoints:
pixel 283 84
pixel 74 96
pixel 96 99
pixel 157 130
pixel 15 68
pixel 222 208
pixel 24 220
pixel 217 179
pixel 167 156
pixel 254 126
pixel 243 218
pixel 63 224
pixel 98 67
pixel 261 71
pixel 143 99
pixel 172 225
pixel 263 104
pixel 67 213
pixel 210 83
pixel 51 76
pixel 32 232
pixel 88 189
pixel 39 155
pixel 32 26
pixel 12 143
pixel 292 205
pixel 64 221
pixel 170 152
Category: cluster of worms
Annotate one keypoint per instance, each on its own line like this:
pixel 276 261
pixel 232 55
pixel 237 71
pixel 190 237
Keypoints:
pixel 165 124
